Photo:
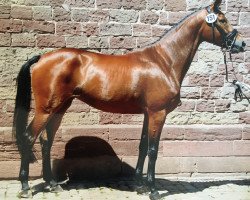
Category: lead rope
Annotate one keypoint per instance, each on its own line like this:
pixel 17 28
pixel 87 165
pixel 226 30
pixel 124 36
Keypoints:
pixel 239 94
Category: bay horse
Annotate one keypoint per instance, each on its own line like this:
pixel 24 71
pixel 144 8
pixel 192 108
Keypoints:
pixel 145 81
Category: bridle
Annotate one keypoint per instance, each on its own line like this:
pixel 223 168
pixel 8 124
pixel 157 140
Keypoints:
pixel 229 40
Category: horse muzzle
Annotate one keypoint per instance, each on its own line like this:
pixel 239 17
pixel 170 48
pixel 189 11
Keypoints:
pixel 238 46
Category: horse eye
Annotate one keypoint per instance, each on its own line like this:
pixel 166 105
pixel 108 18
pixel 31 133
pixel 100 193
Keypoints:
pixel 223 21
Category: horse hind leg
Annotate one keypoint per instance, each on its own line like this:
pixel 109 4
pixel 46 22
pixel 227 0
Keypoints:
pixel 28 139
pixel 46 140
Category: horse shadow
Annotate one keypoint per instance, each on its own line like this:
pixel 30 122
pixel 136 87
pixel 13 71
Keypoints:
pixel 90 162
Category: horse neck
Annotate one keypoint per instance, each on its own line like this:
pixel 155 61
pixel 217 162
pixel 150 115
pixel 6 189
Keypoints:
pixel 180 45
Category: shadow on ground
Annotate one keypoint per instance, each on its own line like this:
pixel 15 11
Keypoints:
pixel 166 187
pixel 90 162
pixel 89 158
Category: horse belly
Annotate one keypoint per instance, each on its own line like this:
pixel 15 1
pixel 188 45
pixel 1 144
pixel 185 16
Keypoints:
pixel 131 106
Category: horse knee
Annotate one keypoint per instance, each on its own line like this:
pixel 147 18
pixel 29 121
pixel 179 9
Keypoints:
pixel 152 154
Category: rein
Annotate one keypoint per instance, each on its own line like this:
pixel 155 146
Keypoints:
pixel 227 46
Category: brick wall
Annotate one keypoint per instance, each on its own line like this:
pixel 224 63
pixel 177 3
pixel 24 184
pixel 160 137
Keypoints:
pixel 208 133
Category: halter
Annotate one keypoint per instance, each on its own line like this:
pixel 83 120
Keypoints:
pixel 227 46
pixel 228 39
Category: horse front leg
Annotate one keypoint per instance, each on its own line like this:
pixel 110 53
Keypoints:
pixel 156 122
pixel 143 148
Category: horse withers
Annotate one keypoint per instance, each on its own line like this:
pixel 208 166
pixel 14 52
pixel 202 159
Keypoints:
pixel 146 81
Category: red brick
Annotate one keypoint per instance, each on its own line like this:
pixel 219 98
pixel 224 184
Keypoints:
pixel 149 17
pixel 159 31
pixel 124 148
pixel 210 132
pixel 134 4
pixel 5 39
pixel 12 172
pixel 52 3
pixel 42 13
pixel 115 29
pixel 1 135
pixel 215 164
pixel 175 5
pixel 142 30
pixel 78 106
pixel 122 42
pixel 50 41
pixel 10 25
pixel 100 16
pixel 164 18
pixel 145 41
pixel 69 133
pixel 98 42
pixel 209 93
pixel 205 106
pixel 21 12
pixel 114 4
pixel 173 133
pixel 222 105
pixel 233 18
pixel 190 92
pixel 198 80
pixel 23 40
pixel 58 150
pixel 226 164
pixel 6 120
pixel 110 118
pixel 197 148
pixel 60 14
pixel 246 133
pixel 236 6
pixel 242 147
pixel 125 133
pixel 81 3
pixel 80 15
pixel 38 27
pixel 68 28
pixel 77 42
pixel 244 117
pixel 217 81
pixel 186 105
pixel 90 29
pixel 239 57
pixel 5 12
pixel 175 17
pixel 164 165
pixel 244 31
pixel 155 5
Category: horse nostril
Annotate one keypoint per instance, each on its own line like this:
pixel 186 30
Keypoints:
pixel 243 44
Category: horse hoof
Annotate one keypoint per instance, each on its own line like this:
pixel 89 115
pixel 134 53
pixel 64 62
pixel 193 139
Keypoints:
pixel 25 194
pixel 53 188
pixel 142 189
pixel 56 189
pixel 155 196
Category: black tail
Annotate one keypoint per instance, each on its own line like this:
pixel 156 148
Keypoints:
pixel 23 101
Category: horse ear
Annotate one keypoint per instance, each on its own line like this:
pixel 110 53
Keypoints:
pixel 217 3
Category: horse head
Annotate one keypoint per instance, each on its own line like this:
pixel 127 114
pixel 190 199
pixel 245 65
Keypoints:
pixel 218 30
